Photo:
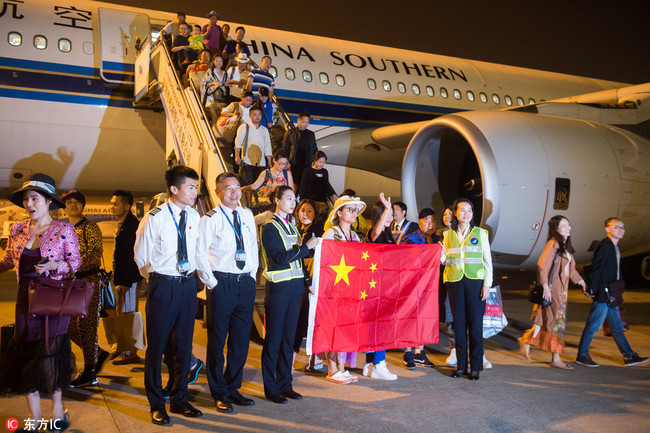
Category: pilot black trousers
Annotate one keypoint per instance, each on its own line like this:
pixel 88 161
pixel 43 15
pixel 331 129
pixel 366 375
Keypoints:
pixel 171 305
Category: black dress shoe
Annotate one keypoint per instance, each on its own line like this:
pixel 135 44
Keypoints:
pixel 223 405
pixel 473 375
pixel 277 398
pixel 240 400
pixel 185 409
pixel 292 395
pixel 159 416
pixel 457 373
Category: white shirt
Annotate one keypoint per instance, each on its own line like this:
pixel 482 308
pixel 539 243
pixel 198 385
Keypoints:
pixel 156 242
pixel 217 244
pixel 487 255
pixel 245 112
pixel 257 136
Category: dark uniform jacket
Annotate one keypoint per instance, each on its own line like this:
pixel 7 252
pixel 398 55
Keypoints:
pixel 125 270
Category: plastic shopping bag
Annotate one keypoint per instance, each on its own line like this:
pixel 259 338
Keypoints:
pixel 494 320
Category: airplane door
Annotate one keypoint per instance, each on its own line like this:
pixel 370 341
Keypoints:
pixel 117 33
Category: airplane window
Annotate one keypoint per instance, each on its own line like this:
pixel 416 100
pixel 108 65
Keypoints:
pixel 470 95
pixel 340 80
pixel 15 39
pixel 65 45
pixel 520 100
pixel 40 42
pixel 430 91
pixel 324 78
pixel 89 48
pixel 306 75
pixel 531 101
pixel 401 87
pixel 416 89
pixel 483 97
pixel 508 100
pixel 496 99
pixel 372 84
pixel 289 74
pixel 273 71
pixel 457 94
pixel 386 85
pixel 443 92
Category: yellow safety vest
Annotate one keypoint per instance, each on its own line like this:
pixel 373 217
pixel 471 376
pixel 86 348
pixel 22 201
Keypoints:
pixel 463 258
pixel 295 268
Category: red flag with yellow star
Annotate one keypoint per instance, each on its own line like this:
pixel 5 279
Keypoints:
pixel 373 297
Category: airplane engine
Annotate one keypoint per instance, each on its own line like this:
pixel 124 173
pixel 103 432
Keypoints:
pixel 520 169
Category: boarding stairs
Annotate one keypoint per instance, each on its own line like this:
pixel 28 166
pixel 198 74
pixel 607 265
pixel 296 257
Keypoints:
pixel 190 140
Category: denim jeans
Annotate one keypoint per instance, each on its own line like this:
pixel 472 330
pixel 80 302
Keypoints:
pixel 600 311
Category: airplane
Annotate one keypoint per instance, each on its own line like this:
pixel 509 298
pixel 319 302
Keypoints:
pixel 522 144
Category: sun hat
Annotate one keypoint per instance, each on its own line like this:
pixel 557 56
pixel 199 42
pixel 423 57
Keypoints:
pixel 213 12
pixel 346 200
pixel 41 183
pixel 242 58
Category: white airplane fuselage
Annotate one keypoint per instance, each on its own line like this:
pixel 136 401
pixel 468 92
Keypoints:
pixel 67 109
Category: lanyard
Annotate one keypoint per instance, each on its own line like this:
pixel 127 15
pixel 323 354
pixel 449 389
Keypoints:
pixel 238 235
pixel 178 230
pixel 288 225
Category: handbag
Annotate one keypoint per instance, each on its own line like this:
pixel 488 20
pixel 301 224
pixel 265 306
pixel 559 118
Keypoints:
pixel 50 297
pixel 108 297
pixel 536 295
pixel 614 292
pixel 125 331
pixel 494 320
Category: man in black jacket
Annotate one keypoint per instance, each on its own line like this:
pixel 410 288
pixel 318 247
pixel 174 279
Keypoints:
pixel 125 271
pixel 606 269
pixel 300 145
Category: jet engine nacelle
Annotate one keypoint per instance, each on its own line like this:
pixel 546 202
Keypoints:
pixel 520 169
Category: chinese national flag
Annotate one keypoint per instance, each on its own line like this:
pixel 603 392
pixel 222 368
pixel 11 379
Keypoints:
pixel 373 297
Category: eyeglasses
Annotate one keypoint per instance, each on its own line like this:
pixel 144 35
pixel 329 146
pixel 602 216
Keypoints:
pixel 351 209
pixel 617 227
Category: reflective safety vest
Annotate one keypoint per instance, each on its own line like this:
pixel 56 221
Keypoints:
pixel 463 258
pixel 295 268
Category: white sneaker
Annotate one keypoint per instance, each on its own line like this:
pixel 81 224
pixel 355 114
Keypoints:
pixel 338 377
pixel 380 371
pixel 486 364
pixel 350 376
pixel 451 359
pixel 367 368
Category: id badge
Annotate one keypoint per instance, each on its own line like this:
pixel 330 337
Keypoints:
pixel 183 267
pixel 240 256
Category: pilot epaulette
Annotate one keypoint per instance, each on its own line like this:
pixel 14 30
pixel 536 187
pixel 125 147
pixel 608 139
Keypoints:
pixel 154 211
pixel 210 213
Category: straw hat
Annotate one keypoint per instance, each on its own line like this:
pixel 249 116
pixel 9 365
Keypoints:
pixel 346 200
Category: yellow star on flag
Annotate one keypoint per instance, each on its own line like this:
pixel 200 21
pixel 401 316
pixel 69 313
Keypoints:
pixel 372 283
pixel 365 255
pixel 363 295
pixel 342 271
pixel 373 267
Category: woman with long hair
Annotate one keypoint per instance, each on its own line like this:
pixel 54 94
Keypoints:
pixel 548 332
pixel 468 275
pixel 283 253
pixel 259 192
pixel 39 245
pixel 215 89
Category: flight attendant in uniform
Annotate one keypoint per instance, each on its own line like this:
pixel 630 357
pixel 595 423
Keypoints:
pixel 165 249
pixel 468 275
pixel 283 255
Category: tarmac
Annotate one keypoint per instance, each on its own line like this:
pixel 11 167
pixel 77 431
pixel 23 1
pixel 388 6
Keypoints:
pixel 516 395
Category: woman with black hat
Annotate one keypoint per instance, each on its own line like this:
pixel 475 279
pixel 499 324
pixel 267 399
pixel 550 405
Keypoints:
pixel 83 330
pixel 39 245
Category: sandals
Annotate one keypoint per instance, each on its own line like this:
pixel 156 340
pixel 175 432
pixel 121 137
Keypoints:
pixel 562 366
pixel 524 348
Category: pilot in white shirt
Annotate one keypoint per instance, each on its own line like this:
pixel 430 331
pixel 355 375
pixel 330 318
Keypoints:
pixel 228 258
pixel 165 252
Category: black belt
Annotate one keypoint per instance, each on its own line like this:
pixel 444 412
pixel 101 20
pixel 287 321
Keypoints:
pixel 178 279
pixel 236 277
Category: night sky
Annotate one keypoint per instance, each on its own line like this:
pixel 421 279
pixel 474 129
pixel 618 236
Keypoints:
pixel 599 39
